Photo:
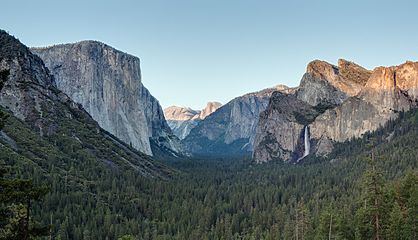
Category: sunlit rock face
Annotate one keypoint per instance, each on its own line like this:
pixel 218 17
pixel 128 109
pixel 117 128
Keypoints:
pixel 107 83
pixel 347 101
pixel 324 83
pixel 230 130
pixel 182 120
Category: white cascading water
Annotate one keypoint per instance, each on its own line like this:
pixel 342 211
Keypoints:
pixel 307 144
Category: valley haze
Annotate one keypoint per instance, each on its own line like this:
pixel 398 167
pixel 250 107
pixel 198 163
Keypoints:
pixel 212 120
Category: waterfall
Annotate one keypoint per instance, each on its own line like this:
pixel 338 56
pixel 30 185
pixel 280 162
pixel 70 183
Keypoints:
pixel 307 144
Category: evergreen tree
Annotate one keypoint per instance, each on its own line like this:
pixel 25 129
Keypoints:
pixel 16 199
pixel 370 214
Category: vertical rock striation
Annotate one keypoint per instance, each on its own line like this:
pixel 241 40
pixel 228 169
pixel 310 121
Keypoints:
pixel 29 92
pixel 230 131
pixel 107 83
pixel 346 102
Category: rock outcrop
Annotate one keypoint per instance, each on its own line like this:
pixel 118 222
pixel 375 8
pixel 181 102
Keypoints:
pixel 28 91
pixel 380 100
pixel 230 130
pixel 279 130
pixel 107 83
pixel 346 102
pixel 182 120
pixel 326 84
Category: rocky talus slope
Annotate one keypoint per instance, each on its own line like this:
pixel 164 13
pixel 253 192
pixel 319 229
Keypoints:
pixel 335 104
pixel 107 83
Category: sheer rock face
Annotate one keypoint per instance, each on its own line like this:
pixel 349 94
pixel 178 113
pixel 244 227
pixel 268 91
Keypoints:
pixel 349 101
pixel 280 127
pixel 107 83
pixel 328 84
pixel 182 120
pixel 29 92
pixel 230 131
pixel 407 78
pixel 380 100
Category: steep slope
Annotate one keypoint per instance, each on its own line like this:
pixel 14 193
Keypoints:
pixel 47 127
pixel 230 131
pixel 379 101
pixel 107 83
pixel 182 120
pixel 280 130
pixel 349 101
pixel 326 84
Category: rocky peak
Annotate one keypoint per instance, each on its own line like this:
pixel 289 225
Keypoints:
pixel 382 78
pixel 283 88
pixel 361 101
pixel 185 113
pixel 353 72
pixel 327 84
pixel 407 78
pixel 392 88
pixel 230 130
pixel 403 77
pixel 182 120
pixel 209 109
pixel 179 113
pixel 322 70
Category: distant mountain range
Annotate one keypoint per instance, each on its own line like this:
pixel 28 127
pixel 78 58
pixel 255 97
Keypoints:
pixel 230 130
pixel 90 84
pixel 182 119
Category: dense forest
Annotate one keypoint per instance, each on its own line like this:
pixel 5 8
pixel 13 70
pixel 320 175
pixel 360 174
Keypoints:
pixel 365 189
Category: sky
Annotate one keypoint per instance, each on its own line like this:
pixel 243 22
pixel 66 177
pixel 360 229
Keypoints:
pixel 195 51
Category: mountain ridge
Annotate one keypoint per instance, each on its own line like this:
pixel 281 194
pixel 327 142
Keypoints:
pixel 230 131
pixel 183 119
pixel 344 112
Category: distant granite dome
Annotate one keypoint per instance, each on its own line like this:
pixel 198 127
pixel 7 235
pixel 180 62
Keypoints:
pixel 182 120
pixel 180 113
pixel 107 83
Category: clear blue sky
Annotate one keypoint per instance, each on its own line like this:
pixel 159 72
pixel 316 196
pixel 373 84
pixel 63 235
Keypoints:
pixel 197 51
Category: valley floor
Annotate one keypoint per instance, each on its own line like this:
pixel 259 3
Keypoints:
pixel 235 198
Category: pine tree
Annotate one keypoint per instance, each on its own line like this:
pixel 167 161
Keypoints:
pixel 396 223
pixel 302 222
pixel 16 198
pixel 369 216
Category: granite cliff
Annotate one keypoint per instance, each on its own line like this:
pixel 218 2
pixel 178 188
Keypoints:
pixel 230 130
pixel 334 104
pixel 107 83
pixel 46 127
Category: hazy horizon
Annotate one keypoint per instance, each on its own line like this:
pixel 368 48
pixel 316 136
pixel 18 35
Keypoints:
pixel 195 52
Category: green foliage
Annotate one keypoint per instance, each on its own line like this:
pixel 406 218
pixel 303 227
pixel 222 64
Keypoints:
pixel 91 198
pixel 16 198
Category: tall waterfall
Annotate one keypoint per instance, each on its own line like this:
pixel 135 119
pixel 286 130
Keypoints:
pixel 307 144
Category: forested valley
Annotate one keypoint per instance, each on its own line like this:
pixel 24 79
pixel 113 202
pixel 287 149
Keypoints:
pixel 365 189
